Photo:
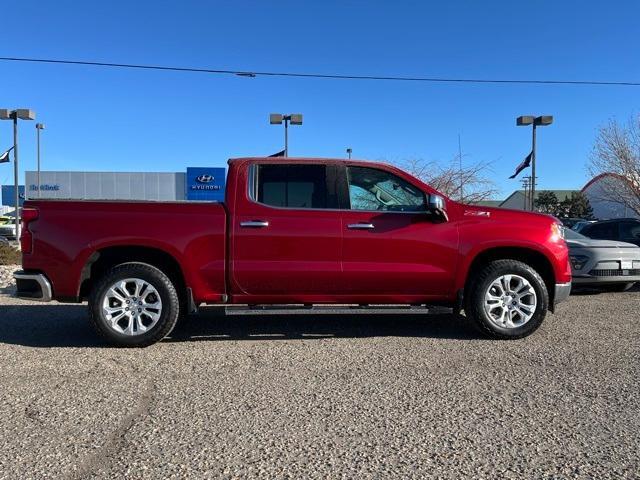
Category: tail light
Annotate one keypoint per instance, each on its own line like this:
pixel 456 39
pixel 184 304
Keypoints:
pixel 26 237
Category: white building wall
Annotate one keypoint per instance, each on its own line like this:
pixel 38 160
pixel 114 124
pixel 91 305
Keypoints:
pixel 604 209
pixel 107 185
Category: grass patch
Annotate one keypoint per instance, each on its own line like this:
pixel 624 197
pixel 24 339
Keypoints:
pixel 9 255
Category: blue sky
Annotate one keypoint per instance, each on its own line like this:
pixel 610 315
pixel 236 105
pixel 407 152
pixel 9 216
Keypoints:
pixel 124 120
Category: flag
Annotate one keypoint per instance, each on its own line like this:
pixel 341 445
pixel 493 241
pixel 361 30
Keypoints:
pixel 278 154
pixel 524 164
pixel 4 158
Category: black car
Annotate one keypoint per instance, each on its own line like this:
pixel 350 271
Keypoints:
pixel 620 229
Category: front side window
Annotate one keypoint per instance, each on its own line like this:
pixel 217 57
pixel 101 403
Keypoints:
pixel 372 189
pixel 292 186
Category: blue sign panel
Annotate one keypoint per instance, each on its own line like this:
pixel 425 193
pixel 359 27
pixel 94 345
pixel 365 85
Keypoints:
pixel 8 195
pixel 205 183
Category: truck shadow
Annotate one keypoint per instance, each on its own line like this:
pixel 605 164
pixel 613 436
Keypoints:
pixel 68 326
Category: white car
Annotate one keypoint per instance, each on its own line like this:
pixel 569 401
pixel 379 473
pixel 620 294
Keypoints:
pixel 8 231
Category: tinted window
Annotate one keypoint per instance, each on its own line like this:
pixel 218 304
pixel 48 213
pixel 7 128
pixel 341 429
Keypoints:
pixel 607 231
pixel 373 189
pixel 630 230
pixel 293 186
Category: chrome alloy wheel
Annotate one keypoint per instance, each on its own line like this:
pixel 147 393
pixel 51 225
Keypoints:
pixel 131 306
pixel 510 301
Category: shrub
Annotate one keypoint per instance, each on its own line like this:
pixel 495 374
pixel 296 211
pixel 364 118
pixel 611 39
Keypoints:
pixel 9 255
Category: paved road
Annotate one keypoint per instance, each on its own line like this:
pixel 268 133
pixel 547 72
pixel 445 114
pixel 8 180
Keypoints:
pixel 322 397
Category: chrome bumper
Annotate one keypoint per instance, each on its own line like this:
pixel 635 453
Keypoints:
pixel 32 286
pixel 562 292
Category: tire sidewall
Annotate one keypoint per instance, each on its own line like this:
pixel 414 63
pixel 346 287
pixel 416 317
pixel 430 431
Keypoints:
pixel 497 270
pixel 165 289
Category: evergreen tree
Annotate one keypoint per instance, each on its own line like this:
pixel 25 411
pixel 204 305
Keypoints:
pixel 547 202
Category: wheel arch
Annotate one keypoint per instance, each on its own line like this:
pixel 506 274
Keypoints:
pixel 532 257
pixel 101 260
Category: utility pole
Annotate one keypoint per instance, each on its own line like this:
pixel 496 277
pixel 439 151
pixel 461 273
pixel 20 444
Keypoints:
pixel 349 151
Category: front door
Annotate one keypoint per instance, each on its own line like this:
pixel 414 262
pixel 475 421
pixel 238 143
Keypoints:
pixel 392 247
pixel 286 241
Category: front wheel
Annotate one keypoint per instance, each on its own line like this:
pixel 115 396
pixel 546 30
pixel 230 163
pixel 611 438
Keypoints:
pixel 506 299
pixel 134 305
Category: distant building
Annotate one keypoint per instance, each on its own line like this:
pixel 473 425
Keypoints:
pixel 517 200
pixel 595 190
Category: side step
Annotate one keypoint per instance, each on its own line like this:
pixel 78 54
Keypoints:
pixel 324 309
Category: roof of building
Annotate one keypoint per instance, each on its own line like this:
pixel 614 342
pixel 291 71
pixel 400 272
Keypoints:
pixel 561 194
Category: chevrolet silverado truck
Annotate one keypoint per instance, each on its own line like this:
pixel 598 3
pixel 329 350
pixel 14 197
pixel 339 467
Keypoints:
pixel 293 232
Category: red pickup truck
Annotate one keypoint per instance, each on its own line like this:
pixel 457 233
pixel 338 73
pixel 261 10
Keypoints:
pixel 293 231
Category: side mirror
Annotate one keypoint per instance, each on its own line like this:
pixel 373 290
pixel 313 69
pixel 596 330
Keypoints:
pixel 436 205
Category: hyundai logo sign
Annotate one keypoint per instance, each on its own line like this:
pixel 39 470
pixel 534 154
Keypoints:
pixel 206 178
pixel 205 183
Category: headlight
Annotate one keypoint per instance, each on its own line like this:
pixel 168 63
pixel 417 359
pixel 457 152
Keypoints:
pixel 578 261
pixel 557 232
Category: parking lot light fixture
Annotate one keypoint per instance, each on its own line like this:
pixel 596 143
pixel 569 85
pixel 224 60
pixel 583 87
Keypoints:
pixel 14 115
pixel 539 121
pixel 279 118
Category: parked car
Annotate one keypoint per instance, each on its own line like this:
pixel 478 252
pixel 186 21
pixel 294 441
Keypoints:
pixel 571 222
pixel 579 225
pixel 294 231
pixel 8 231
pixel 608 264
pixel 4 220
pixel 621 229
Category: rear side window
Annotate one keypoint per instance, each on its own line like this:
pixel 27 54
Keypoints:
pixel 293 186
pixel 606 231
pixel 630 230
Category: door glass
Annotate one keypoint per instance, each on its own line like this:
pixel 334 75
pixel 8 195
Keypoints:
pixel 373 189
pixel 629 230
pixel 293 186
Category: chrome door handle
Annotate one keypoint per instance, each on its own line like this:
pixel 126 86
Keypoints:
pixel 255 224
pixel 361 226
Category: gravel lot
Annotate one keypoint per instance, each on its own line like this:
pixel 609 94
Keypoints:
pixel 331 396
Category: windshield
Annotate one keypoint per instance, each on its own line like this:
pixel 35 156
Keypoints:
pixel 573 235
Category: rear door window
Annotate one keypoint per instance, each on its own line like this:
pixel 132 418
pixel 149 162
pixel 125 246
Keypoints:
pixel 294 186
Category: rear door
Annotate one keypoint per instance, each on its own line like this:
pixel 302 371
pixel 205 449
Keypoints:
pixel 392 247
pixel 286 232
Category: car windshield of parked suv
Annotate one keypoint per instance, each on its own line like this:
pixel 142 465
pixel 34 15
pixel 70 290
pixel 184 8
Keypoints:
pixel 573 235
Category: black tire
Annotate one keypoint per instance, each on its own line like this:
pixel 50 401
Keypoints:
pixel 478 285
pixel 158 280
pixel 618 287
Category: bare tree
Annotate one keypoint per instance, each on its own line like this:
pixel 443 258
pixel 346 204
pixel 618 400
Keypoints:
pixel 471 183
pixel 617 151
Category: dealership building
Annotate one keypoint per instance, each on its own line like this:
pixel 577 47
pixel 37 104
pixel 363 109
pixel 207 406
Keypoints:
pixel 197 183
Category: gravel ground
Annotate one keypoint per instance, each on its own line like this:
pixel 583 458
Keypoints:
pixel 306 396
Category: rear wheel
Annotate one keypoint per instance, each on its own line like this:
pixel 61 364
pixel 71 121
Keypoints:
pixel 134 305
pixel 506 299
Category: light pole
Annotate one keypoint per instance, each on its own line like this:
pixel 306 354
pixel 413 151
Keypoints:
pixel 22 114
pixel 39 126
pixel 349 152
pixel 542 121
pixel 278 118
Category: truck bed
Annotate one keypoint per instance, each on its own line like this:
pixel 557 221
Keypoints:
pixel 69 236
